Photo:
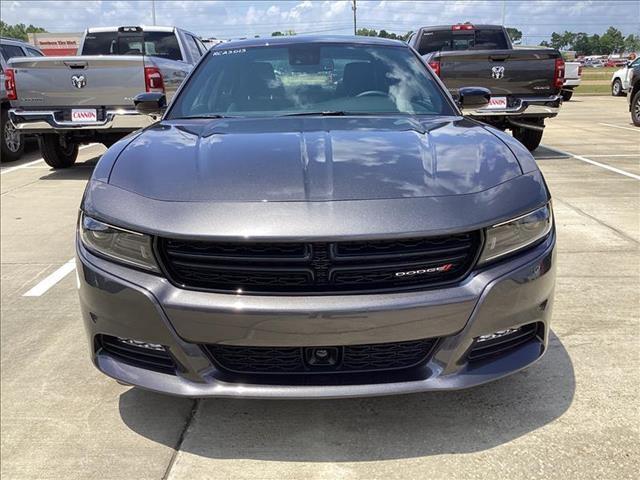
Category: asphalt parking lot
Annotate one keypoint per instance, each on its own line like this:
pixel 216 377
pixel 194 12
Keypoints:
pixel 574 414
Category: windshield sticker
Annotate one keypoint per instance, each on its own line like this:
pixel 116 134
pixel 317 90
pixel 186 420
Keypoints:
pixel 229 52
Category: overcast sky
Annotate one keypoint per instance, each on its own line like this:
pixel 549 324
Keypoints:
pixel 235 19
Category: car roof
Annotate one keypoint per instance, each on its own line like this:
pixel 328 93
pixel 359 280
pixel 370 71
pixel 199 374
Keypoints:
pixel 8 40
pixel 296 39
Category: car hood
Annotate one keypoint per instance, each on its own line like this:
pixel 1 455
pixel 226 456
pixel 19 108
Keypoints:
pixel 313 159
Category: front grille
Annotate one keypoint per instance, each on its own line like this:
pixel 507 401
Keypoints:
pixel 158 360
pixel 350 358
pixel 320 267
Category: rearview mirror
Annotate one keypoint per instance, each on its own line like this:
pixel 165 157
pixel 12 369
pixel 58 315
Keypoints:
pixel 150 103
pixel 473 97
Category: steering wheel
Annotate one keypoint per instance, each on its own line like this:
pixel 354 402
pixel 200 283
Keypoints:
pixel 372 93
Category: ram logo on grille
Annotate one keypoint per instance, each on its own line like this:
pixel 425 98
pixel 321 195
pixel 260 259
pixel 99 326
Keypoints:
pixel 410 273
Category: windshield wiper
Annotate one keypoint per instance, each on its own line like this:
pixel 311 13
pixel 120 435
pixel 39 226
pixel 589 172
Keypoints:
pixel 206 115
pixel 326 113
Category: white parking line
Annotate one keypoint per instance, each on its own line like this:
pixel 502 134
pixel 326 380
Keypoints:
pixel 28 164
pixel 617 155
pixel 637 130
pixel 598 164
pixel 42 287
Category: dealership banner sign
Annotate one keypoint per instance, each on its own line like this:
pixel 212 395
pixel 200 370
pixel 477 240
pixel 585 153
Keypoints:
pixel 56 44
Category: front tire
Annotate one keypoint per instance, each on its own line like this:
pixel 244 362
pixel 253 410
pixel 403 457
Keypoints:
pixel 56 151
pixel 529 138
pixel 616 88
pixel 635 109
pixel 12 142
pixel 566 95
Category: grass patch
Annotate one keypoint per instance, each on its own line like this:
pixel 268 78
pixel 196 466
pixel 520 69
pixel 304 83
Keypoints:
pixel 598 73
pixel 593 89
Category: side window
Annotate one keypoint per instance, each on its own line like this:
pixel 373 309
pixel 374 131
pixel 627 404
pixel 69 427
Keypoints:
pixel 32 52
pixel 192 46
pixel 10 51
pixel 201 46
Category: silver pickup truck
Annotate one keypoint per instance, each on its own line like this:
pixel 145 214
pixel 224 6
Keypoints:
pixel 89 98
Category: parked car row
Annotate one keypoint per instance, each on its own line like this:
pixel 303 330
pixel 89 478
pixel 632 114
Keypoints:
pixel 65 101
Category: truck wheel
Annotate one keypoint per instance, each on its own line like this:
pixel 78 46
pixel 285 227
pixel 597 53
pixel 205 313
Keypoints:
pixel 616 88
pixel 529 138
pixel 12 142
pixel 635 109
pixel 56 152
pixel 566 95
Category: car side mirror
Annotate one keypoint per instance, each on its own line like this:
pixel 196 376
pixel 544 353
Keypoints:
pixel 473 97
pixel 150 103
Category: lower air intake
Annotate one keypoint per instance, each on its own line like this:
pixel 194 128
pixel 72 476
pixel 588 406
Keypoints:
pixel 127 351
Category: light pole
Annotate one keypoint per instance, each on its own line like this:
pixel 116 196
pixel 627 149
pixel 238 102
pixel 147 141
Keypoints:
pixel 153 12
pixel 353 7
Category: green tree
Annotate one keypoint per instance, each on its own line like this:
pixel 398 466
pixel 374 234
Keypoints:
pixel 366 32
pixel 582 44
pixel 283 34
pixel 632 43
pixel 19 30
pixel 514 34
pixel 562 41
pixel 612 41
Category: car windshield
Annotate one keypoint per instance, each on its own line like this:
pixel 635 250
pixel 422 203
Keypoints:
pixel 312 78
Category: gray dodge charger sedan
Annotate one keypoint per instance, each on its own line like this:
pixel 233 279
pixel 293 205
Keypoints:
pixel 313 217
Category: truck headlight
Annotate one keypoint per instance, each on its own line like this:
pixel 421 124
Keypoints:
pixel 120 245
pixel 509 237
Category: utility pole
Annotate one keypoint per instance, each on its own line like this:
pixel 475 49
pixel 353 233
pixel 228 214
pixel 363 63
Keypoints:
pixel 503 10
pixel 353 7
pixel 153 12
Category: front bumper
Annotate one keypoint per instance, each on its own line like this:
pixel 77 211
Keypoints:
pixel 48 121
pixel 122 302
pixel 523 107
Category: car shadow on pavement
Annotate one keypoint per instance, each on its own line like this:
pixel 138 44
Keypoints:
pixel 369 429
pixel 80 171
pixel 548 153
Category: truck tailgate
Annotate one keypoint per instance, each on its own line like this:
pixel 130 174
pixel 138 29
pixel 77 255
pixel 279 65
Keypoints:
pixel 85 81
pixel 504 72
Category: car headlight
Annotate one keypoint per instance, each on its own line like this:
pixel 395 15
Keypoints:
pixel 513 235
pixel 124 246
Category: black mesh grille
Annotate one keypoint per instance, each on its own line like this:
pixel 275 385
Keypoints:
pixel 308 268
pixel 351 358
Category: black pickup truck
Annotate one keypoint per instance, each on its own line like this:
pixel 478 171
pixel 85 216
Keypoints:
pixel 525 83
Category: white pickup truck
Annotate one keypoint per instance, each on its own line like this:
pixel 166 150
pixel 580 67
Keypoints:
pixel 572 79
pixel 89 98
